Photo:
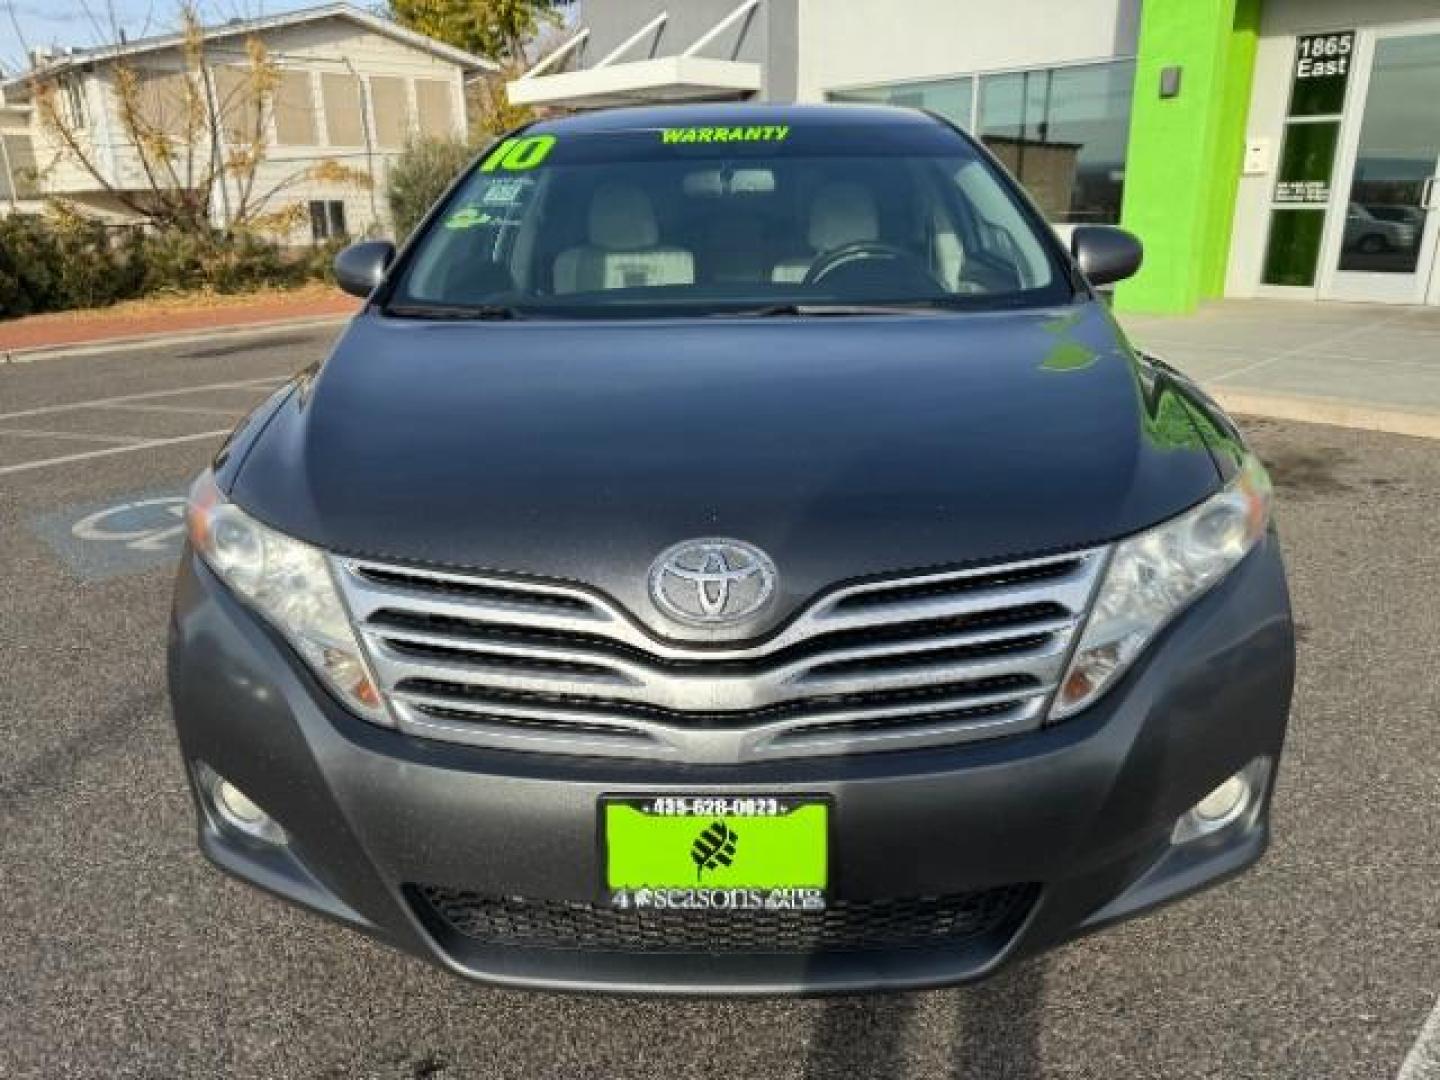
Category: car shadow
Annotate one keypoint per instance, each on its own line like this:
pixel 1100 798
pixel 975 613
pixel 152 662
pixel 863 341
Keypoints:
pixel 859 1036
pixel 992 1030
pixel 1000 1022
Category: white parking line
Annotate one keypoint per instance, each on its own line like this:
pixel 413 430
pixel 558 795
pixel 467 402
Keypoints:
pixel 26 466
pixel 46 410
pixel 130 407
pixel 1423 1061
pixel 42 433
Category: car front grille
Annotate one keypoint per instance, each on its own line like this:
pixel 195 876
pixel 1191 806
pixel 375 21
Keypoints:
pixel 961 919
pixel 920 660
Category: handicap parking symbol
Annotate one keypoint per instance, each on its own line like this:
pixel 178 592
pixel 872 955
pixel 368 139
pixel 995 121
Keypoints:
pixel 121 535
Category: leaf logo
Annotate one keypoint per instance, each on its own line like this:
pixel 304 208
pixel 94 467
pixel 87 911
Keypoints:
pixel 713 848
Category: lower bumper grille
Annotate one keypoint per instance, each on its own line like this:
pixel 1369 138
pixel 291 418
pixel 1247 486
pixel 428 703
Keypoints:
pixel 846 926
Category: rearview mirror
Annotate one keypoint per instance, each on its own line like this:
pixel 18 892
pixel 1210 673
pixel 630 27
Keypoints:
pixel 361 267
pixel 1106 254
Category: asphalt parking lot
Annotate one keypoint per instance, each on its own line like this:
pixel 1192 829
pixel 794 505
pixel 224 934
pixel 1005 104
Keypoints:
pixel 122 954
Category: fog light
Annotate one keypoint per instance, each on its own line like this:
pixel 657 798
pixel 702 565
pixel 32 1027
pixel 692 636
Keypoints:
pixel 1232 801
pixel 237 810
pixel 1225 802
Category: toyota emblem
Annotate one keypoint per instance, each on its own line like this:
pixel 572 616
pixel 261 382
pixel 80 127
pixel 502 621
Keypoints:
pixel 712 582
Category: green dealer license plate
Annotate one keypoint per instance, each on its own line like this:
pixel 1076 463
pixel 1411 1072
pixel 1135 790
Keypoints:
pixel 716 852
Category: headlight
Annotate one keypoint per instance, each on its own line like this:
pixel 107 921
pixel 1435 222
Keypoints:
pixel 1153 576
pixel 288 583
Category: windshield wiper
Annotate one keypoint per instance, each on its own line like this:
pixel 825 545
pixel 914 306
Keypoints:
pixel 478 312
pixel 790 310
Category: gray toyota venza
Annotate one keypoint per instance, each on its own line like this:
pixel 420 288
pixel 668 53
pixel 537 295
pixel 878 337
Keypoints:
pixel 734 550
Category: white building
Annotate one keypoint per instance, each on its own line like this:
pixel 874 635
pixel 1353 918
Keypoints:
pixel 353 88
pixel 1286 148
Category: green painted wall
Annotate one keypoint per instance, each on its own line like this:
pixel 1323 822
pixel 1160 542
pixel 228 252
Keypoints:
pixel 1183 167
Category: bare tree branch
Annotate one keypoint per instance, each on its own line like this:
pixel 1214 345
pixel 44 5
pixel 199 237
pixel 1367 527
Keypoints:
pixel 188 133
pixel 44 99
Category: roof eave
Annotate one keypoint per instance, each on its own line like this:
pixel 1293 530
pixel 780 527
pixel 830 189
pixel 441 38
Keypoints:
pixel 670 78
pixel 465 60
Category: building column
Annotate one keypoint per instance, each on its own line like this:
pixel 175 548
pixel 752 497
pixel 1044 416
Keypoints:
pixel 1183 166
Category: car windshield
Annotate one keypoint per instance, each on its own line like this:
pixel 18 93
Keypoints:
pixel 730 219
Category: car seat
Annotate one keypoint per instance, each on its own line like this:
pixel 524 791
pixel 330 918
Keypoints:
pixel 842 212
pixel 624 251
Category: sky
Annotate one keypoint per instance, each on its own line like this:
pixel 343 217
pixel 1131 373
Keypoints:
pixel 28 24
pixel 82 23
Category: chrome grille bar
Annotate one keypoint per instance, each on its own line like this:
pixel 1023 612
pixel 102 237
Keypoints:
pixel 921 660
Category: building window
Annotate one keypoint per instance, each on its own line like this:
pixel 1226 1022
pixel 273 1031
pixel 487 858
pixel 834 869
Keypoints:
pixel 433 103
pixel 391 111
pixel 344 119
pixel 74 103
pixel 327 220
pixel 1063 131
pixel 1391 185
pixel 239 98
pixel 953 99
pixel 1294 247
pixel 160 98
pixel 294 106
pixel 1307 158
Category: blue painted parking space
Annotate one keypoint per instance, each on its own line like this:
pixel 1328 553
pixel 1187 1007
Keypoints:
pixel 120 535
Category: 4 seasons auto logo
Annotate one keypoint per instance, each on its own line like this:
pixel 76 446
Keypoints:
pixel 714 848
pixel 648 899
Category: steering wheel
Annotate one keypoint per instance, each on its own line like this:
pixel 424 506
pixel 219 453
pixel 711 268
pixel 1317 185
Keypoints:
pixel 863 251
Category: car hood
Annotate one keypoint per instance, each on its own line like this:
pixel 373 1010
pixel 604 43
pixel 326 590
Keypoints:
pixel 842 447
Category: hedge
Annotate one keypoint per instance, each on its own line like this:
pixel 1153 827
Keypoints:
pixel 59 264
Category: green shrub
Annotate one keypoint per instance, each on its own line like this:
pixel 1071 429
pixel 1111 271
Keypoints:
pixel 53 265
pixel 318 262
pixel 25 259
pixel 13 298
pixel 420 176
pixel 91 269
pixel 175 261
pixel 65 262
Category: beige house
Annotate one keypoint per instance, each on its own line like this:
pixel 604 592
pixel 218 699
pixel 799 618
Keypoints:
pixel 353 88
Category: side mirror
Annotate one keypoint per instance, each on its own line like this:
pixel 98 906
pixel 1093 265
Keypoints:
pixel 1106 254
pixel 361 267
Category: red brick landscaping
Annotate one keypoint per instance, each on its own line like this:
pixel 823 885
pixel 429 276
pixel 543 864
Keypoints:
pixel 171 315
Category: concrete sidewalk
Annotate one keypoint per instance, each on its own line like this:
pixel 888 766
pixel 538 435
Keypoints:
pixel 1362 365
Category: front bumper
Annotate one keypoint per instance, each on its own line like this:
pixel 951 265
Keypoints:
pixel 1081 812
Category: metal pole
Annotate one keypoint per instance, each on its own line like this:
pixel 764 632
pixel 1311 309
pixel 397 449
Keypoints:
pixel 559 54
pixel 640 35
pixel 719 28
pixel 217 153
pixel 365 116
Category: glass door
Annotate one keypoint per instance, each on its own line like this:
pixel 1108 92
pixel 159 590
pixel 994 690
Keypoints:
pixel 1382 238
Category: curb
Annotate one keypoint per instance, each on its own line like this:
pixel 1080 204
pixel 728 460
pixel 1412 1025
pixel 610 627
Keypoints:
pixel 33 353
pixel 1332 411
